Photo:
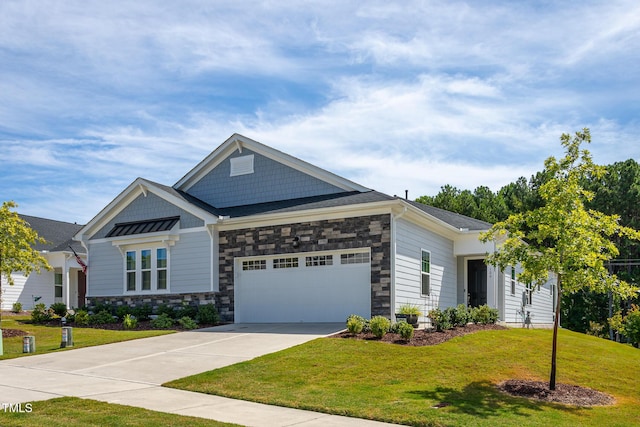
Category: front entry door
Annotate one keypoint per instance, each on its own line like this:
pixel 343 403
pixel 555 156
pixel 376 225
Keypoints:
pixel 82 288
pixel 476 283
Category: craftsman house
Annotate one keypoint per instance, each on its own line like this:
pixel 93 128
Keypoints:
pixel 65 283
pixel 268 237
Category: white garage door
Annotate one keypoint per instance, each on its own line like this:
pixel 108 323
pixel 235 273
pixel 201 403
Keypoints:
pixel 309 287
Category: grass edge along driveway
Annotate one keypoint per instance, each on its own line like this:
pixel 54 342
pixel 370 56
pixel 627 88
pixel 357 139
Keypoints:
pixel 48 338
pixel 448 384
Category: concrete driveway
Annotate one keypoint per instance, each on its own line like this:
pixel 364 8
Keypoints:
pixel 131 373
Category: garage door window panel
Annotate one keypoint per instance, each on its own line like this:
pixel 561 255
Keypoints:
pixel 319 260
pixel 285 263
pixel 355 258
pixel 254 264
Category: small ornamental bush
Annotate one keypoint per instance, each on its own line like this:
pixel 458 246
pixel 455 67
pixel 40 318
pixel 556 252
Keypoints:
pixel 366 328
pixel 186 311
pixel 81 318
pixel 59 309
pixel 166 309
pixel 355 325
pixel 129 322
pixel 122 311
pixel 484 315
pixel 142 312
pixel 207 315
pixel 632 326
pixel 460 315
pixel 40 314
pixel 187 322
pixel 379 326
pixel 405 330
pixel 439 320
pixel 409 309
pixel 162 322
pixel 101 318
pixel 17 307
pixel 102 307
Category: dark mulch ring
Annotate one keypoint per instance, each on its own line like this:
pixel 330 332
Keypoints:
pixel 422 337
pixel 564 393
pixel 10 333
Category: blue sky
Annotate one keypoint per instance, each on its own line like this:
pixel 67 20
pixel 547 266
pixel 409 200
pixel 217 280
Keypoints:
pixel 406 95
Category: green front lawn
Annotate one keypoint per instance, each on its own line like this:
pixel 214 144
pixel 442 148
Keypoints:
pixel 71 411
pixel 400 384
pixel 48 338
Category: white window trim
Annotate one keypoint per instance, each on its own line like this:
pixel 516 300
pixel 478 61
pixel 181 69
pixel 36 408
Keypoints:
pixel 423 273
pixel 138 271
pixel 512 280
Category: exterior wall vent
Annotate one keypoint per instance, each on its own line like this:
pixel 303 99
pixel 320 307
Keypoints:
pixel 242 165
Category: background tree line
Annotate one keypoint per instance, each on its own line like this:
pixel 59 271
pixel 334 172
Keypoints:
pixel 616 193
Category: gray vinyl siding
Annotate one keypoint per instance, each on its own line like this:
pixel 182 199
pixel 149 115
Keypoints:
pixel 270 181
pixel 541 309
pixel 410 240
pixel 106 270
pixel 190 263
pixel 150 207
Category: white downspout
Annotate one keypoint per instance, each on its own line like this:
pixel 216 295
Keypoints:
pixel 394 218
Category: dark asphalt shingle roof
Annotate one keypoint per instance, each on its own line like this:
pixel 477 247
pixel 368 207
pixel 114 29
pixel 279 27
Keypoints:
pixel 58 234
pixel 456 220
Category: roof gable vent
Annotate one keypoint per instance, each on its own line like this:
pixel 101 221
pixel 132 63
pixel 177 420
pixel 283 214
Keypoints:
pixel 242 165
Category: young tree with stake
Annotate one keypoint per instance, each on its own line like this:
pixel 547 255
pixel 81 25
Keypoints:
pixel 563 237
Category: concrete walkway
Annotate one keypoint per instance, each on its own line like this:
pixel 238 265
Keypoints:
pixel 130 373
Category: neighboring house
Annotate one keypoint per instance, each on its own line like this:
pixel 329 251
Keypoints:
pixel 65 283
pixel 268 237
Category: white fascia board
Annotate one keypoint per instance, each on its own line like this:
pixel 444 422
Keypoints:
pixel 237 141
pixel 136 188
pixel 349 211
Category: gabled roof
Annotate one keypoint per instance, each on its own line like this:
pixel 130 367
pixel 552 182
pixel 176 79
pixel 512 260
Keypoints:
pixel 239 142
pixel 58 234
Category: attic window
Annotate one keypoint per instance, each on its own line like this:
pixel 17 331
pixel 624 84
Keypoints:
pixel 242 165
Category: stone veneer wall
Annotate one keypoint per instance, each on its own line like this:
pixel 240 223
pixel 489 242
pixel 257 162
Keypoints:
pixel 348 233
pixel 174 300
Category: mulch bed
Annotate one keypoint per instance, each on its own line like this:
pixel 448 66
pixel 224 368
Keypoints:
pixel 10 333
pixel 564 393
pixel 422 337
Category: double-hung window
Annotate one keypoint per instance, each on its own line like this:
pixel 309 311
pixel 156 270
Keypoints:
pixel 425 273
pixel 146 270
pixel 513 280
pixel 57 283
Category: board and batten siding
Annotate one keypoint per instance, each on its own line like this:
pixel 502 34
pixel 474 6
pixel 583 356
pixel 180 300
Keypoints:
pixel 410 241
pixel 541 309
pixel 190 263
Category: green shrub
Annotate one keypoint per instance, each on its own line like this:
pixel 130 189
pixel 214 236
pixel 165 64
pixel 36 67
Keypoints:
pixel 81 318
pixel 166 309
pixel 142 312
pixel 186 311
pixel 596 329
pixel 405 330
pixel 484 315
pixel 207 315
pixel 59 309
pixel 355 324
pixel 440 320
pixel 17 307
pixel 366 327
pixel 102 307
pixel 632 325
pixel 41 314
pixel 163 321
pixel 187 322
pixel 122 311
pixel 379 326
pixel 460 315
pixel 101 318
pixel 129 322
